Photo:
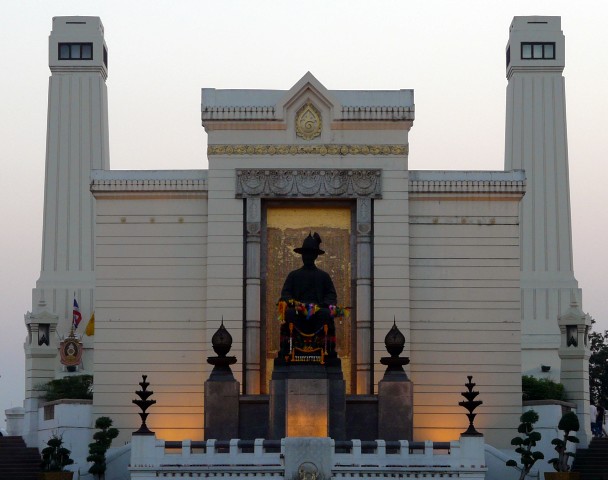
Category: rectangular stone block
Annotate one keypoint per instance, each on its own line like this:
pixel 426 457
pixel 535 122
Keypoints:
pixel 307 408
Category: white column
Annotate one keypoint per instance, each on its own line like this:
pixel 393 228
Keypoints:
pixel 253 298
pixel 364 294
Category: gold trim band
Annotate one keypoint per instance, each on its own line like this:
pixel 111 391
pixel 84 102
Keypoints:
pixel 322 150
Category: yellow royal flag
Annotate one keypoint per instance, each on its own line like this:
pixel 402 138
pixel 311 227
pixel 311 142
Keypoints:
pixel 90 330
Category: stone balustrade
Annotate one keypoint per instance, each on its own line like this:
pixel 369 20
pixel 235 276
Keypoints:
pixel 306 458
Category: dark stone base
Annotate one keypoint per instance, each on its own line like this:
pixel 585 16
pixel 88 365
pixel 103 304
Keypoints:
pixel 395 409
pixel 295 383
pixel 222 409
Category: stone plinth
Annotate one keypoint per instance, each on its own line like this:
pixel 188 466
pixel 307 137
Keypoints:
pixel 307 412
pixel 307 401
pixel 395 409
pixel 222 409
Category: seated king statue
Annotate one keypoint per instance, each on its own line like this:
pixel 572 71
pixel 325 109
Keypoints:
pixel 307 308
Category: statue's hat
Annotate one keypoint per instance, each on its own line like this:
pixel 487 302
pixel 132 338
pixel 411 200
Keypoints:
pixel 310 244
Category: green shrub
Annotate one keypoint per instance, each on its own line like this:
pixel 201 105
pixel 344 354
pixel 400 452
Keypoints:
pixel 76 387
pixel 568 423
pixel 526 444
pixel 541 389
pixel 102 441
pixel 55 456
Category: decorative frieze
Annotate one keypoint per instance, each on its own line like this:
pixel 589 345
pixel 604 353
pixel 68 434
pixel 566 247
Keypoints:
pixel 377 113
pixel 238 113
pixel 148 185
pixel 459 220
pixel 319 149
pixel 513 182
pixel 267 112
pixel 335 183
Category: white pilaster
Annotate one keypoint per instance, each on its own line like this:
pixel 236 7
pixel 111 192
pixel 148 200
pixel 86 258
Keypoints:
pixel 253 295
pixel 364 294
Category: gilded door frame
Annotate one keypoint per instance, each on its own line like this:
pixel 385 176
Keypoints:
pixel 254 185
pixel 268 316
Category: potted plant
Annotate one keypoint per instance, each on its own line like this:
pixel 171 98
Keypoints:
pixel 54 458
pixel 526 443
pixel 568 423
pixel 102 441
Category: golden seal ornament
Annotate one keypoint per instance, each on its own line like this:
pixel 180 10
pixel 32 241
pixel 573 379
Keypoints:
pixel 70 350
pixel 308 122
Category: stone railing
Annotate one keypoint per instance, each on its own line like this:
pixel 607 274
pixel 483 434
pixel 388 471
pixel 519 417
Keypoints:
pixel 307 458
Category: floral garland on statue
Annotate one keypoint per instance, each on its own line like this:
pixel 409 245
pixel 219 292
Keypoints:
pixel 309 309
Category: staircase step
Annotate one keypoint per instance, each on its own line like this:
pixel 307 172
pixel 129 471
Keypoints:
pixel 592 462
pixel 17 461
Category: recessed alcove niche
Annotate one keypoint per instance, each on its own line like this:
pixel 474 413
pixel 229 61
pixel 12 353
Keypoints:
pixel 282 208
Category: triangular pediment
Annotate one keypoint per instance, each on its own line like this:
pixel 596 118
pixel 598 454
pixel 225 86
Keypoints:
pixel 309 89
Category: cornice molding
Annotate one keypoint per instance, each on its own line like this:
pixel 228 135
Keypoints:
pixel 268 112
pixel 468 186
pixel 238 113
pixel 148 185
pixel 309 183
pixel 299 149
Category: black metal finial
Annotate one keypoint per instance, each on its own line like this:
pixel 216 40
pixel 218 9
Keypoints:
pixel 144 403
pixel 221 343
pixel 470 404
pixel 394 342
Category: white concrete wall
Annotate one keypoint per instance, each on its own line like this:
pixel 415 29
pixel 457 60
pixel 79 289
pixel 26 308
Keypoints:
pixel 465 304
pixel 72 422
pixel 151 262
pixel 391 261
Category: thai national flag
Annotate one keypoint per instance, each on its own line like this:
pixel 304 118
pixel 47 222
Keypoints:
pixel 76 315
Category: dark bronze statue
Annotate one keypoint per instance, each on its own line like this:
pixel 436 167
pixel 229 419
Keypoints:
pixel 308 333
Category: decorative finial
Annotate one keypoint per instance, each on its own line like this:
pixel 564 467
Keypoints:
pixel 394 343
pixel 221 341
pixel 144 403
pixel 394 340
pixel 470 405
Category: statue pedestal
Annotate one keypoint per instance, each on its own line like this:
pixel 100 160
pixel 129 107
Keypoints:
pixel 221 409
pixel 395 410
pixel 221 400
pixel 395 401
pixel 307 401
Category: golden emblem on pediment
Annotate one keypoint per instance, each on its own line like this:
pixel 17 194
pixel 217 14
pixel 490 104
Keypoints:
pixel 308 122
